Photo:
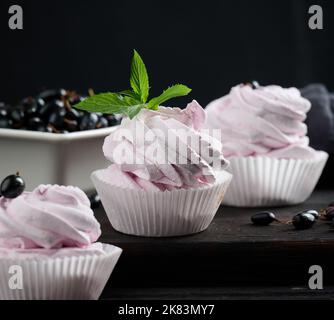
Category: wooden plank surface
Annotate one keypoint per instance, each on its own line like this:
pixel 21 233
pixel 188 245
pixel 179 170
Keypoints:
pixel 232 226
pixel 232 252
pixel 219 293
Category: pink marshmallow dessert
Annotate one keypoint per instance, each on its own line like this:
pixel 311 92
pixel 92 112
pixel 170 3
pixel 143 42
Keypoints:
pixel 49 235
pixel 265 140
pixel 166 176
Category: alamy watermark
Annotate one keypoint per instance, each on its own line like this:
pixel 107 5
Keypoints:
pixel 316 280
pixel 15 21
pixel 15 278
pixel 138 146
pixel 316 20
pixel 15 281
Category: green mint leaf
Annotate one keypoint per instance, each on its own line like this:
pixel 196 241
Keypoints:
pixel 132 111
pixel 133 107
pixel 129 101
pixel 111 103
pixel 175 91
pixel 131 94
pixel 139 77
pixel 103 102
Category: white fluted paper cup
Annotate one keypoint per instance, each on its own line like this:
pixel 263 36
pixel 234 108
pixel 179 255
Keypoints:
pixel 78 277
pixel 160 213
pixel 264 181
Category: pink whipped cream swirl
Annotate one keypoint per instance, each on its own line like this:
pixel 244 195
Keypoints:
pixel 267 121
pixel 50 217
pixel 163 150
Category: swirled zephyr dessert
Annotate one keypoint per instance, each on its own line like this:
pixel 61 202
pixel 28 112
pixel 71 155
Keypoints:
pixel 143 171
pixel 265 139
pixel 146 194
pixel 167 177
pixel 51 234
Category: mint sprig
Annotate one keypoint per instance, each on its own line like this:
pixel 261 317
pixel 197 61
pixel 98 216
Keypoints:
pixel 131 102
pixel 172 92
pixel 139 77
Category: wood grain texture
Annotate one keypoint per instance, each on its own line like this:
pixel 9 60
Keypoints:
pixel 219 293
pixel 232 252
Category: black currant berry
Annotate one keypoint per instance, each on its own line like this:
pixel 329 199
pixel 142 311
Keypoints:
pixel 89 121
pixel 73 114
pixel 34 123
pixel 26 102
pixel 52 94
pixel 31 111
pixel 102 123
pixel 314 213
pixel 52 111
pixel 51 107
pixel 17 115
pixel 12 186
pixel 95 201
pixel 303 221
pixel 30 107
pixel 45 110
pixel 263 218
pixel 71 125
pixel 76 100
pixel 254 84
pixel 5 123
pixel 112 121
pixel 329 213
pixel 3 112
pixel 56 117
pixel 42 128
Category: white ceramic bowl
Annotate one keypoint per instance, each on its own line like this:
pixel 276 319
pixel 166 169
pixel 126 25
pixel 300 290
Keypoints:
pixel 49 158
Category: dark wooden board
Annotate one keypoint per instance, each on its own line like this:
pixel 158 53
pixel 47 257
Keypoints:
pixel 232 252
pixel 220 293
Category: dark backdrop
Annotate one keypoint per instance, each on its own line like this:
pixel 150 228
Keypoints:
pixel 208 45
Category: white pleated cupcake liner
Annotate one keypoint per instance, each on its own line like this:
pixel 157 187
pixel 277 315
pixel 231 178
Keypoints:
pixel 264 181
pixel 81 277
pixel 161 213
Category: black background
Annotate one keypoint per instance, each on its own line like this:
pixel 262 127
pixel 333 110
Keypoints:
pixel 208 45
